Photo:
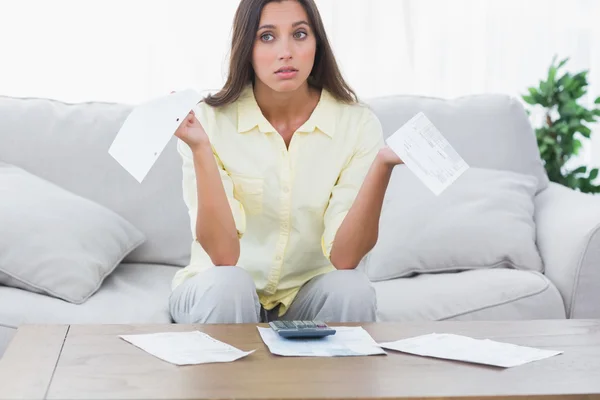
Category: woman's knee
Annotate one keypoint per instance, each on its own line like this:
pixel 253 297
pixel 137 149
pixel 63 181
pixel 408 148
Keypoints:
pixel 348 297
pixel 217 295
pixel 350 284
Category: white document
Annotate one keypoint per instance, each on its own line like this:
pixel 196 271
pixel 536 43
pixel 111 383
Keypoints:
pixel 462 348
pixel 347 341
pixel 185 348
pixel 427 153
pixel 148 129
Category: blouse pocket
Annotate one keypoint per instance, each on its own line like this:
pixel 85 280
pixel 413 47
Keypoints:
pixel 249 191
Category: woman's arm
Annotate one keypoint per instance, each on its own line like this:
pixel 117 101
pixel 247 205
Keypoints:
pixel 358 233
pixel 215 225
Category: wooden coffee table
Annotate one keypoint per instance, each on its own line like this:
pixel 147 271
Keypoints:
pixel 91 362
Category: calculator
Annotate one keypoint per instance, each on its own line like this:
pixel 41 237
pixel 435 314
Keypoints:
pixel 302 329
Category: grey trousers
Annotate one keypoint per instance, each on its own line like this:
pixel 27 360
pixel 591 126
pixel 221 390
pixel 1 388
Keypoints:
pixel 228 295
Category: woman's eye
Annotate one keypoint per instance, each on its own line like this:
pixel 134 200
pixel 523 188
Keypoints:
pixel 300 35
pixel 267 37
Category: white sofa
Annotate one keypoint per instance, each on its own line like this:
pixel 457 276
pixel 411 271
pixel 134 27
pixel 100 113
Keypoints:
pixel 67 144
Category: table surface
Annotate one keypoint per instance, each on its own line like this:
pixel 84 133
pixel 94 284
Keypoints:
pixel 92 362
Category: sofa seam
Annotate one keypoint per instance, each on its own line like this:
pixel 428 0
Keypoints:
pixel 411 272
pixel 65 103
pixel 582 256
pixel 537 274
pixel 7 326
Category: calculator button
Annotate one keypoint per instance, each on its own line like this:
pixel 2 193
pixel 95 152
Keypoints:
pixel 289 325
pixel 299 324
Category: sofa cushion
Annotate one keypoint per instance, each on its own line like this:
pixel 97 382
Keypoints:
pixel 55 242
pixel 133 293
pixel 488 130
pixel 67 144
pixel 497 294
pixel 483 220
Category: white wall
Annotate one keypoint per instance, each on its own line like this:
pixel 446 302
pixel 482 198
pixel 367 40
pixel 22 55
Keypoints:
pixel 131 50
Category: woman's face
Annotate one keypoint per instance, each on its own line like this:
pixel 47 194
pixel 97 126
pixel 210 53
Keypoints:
pixel 284 47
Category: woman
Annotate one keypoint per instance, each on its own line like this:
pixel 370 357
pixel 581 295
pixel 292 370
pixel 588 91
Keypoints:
pixel 285 173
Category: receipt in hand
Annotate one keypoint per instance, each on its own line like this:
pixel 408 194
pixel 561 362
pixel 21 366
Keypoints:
pixel 462 348
pixel 185 348
pixel 148 129
pixel 427 153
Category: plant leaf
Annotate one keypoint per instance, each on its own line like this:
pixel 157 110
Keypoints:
pixel 552 76
pixel 579 92
pixel 584 130
pixel 533 91
pixel 581 77
pixel 564 129
pixel 572 181
pixel 544 89
pixel 529 100
pixel 567 81
pixel 564 97
pixel 593 174
pixel 563 62
pixel 597 101
pixel 548 140
pixel 580 170
pixel 568 109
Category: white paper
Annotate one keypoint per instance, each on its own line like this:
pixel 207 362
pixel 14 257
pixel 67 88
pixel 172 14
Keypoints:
pixel 185 348
pixel 462 348
pixel 148 129
pixel 347 341
pixel 427 153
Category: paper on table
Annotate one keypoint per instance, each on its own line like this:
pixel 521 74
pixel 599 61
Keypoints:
pixel 347 341
pixel 185 348
pixel 462 348
pixel 427 153
pixel 148 129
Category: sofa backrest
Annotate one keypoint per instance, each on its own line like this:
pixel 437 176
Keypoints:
pixel 488 130
pixel 67 144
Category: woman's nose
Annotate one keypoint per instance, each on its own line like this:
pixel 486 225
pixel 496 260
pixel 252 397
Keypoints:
pixel 285 52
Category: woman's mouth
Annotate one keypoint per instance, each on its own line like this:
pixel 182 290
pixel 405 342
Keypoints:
pixel 286 72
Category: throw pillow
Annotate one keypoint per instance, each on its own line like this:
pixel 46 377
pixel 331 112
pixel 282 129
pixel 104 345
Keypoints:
pixel 483 220
pixel 54 242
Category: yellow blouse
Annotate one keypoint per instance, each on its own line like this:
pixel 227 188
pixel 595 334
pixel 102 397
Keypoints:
pixel 287 203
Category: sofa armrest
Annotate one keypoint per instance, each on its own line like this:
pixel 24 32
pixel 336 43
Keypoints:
pixel 568 238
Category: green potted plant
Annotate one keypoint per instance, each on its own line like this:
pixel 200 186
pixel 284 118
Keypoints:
pixel 565 125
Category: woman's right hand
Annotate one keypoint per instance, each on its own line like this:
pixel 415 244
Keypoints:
pixel 191 131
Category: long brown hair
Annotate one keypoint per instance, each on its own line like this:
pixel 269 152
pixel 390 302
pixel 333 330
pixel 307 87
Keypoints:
pixel 325 73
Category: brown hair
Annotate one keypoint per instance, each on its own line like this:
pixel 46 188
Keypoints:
pixel 324 75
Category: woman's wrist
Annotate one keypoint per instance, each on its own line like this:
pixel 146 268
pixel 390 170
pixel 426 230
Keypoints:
pixel 388 158
pixel 201 148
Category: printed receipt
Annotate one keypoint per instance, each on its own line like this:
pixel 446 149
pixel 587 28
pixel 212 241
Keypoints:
pixel 186 348
pixel 347 341
pixel 427 153
pixel 464 348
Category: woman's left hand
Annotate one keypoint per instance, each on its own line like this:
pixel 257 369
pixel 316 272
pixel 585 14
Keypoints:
pixel 389 157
